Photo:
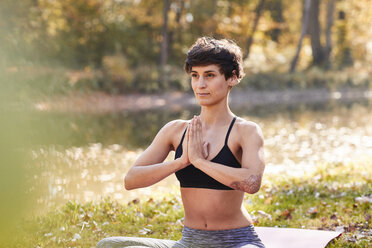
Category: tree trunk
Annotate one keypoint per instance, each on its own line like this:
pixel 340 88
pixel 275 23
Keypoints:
pixel 344 56
pixel 175 33
pixel 328 46
pixel 164 45
pixel 305 24
pixel 258 12
pixel 314 30
pixel 180 8
pixel 276 13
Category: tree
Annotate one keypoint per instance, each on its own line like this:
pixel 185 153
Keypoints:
pixel 257 12
pixel 311 26
pixel 305 23
pixel 329 17
pixel 164 45
pixel 318 50
pixel 276 12
pixel 343 55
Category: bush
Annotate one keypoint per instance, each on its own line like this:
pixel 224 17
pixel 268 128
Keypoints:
pixel 118 77
pixel 314 78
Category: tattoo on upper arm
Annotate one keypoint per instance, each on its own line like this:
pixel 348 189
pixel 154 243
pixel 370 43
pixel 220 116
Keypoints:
pixel 251 185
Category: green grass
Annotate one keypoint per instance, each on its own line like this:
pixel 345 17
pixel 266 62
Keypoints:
pixel 324 200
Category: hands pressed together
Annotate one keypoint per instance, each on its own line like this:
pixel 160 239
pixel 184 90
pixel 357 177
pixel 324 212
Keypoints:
pixel 194 149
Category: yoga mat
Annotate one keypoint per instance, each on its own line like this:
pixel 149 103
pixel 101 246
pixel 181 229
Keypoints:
pixel 274 237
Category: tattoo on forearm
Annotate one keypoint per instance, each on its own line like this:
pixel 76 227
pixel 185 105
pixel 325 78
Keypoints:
pixel 251 184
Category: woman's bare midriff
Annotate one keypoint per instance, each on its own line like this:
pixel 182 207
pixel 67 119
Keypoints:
pixel 210 209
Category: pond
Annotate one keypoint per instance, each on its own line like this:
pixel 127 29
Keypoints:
pixel 84 157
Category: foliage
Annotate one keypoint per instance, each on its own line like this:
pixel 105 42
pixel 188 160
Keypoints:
pixel 35 83
pixel 90 33
pixel 310 79
pixel 334 197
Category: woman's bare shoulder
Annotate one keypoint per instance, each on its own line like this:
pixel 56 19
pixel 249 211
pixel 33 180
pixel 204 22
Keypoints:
pixel 173 129
pixel 172 132
pixel 247 128
pixel 175 125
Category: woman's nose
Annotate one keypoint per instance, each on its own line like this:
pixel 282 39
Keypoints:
pixel 201 83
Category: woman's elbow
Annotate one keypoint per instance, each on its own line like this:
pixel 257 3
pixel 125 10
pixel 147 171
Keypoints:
pixel 254 187
pixel 250 185
pixel 128 185
pixel 252 190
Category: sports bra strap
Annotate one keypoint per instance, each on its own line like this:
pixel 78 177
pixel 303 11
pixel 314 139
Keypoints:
pixel 228 132
pixel 183 136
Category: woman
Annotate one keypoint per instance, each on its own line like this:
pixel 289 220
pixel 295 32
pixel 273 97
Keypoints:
pixel 219 157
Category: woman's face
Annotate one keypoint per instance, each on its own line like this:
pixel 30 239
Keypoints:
pixel 209 85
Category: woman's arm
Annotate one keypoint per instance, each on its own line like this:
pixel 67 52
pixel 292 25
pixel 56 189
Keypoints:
pixel 149 168
pixel 248 178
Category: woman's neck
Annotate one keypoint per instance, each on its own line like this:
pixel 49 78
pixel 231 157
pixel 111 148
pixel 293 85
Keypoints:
pixel 216 115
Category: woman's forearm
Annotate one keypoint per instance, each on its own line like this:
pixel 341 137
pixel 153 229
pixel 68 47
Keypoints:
pixel 242 179
pixel 147 175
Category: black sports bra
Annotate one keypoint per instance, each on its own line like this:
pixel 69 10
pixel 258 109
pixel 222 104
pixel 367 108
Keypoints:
pixel 191 177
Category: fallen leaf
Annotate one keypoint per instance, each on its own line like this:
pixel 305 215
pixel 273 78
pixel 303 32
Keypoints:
pixel 144 231
pixel 364 199
pixel 351 229
pixel 347 210
pixel 287 214
pixel 268 201
pixel 77 236
pixel 263 213
pixel 352 239
pixel 367 217
pixel 313 210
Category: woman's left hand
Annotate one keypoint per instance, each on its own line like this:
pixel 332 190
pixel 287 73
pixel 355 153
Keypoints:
pixel 197 149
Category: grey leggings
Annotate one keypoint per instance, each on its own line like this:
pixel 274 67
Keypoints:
pixel 245 237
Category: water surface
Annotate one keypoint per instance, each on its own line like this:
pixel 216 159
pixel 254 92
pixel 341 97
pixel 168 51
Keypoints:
pixel 84 157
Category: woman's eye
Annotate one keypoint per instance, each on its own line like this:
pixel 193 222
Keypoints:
pixel 210 75
pixel 194 75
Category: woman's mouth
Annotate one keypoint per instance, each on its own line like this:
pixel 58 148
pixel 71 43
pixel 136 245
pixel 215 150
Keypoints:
pixel 203 94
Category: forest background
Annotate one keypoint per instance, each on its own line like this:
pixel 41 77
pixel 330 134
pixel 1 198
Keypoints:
pixel 71 49
pixel 126 46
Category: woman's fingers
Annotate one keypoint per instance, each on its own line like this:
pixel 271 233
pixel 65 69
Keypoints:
pixel 187 137
pixel 194 130
pixel 196 148
pixel 197 135
pixel 191 134
pixel 199 130
pixel 206 149
pixel 191 127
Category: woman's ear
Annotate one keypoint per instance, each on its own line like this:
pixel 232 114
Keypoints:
pixel 233 80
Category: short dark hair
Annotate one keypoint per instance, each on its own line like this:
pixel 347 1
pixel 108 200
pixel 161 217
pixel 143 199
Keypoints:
pixel 224 53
